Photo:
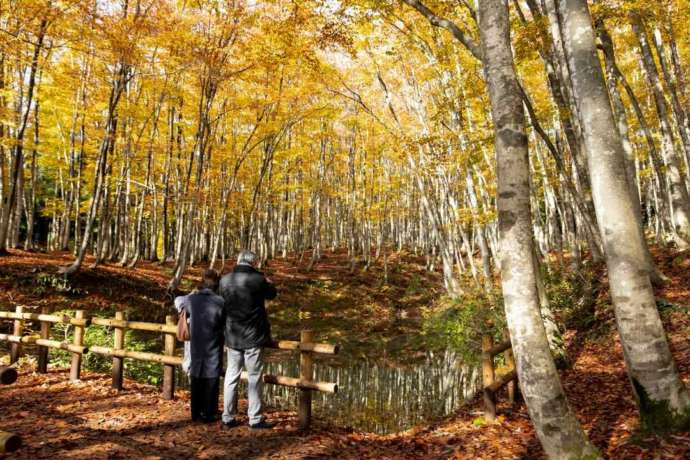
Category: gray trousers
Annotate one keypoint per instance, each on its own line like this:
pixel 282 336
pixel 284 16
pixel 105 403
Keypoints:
pixel 251 358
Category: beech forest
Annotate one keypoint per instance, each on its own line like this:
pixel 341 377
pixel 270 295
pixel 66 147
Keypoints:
pixel 481 207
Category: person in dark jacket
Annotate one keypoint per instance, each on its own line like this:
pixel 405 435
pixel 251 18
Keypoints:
pixel 206 313
pixel 247 330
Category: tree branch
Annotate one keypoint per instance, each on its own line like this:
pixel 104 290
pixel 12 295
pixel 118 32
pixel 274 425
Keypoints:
pixel 447 24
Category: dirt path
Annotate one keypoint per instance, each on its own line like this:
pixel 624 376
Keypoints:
pixel 89 420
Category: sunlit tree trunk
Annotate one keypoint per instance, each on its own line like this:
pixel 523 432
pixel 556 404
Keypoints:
pixel 663 398
pixel 679 193
pixel 555 423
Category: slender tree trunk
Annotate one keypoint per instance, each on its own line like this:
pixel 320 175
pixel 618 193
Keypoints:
pixel 556 425
pixel 679 193
pixel 107 145
pixel 18 149
pixel 672 90
pixel 663 398
pixel 30 196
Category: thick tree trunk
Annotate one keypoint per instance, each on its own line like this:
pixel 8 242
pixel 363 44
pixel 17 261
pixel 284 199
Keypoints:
pixel 663 399
pixel 655 274
pixel 556 425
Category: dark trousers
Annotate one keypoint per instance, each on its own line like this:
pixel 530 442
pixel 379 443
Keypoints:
pixel 205 398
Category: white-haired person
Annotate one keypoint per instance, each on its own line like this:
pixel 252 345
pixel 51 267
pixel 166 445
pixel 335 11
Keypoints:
pixel 247 331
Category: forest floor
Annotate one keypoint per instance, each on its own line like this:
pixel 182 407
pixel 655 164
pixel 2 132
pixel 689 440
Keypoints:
pixel 330 299
pixel 87 419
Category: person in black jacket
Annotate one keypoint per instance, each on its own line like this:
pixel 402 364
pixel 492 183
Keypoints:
pixel 206 313
pixel 247 330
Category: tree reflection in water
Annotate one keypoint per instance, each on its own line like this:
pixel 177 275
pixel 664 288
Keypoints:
pixel 382 399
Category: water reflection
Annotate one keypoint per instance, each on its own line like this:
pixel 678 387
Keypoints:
pixel 382 399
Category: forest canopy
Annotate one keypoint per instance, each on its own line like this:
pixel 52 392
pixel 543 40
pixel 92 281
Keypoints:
pixel 177 129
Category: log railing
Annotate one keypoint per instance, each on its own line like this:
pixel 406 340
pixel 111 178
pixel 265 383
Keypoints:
pixel 170 360
pixel 490 384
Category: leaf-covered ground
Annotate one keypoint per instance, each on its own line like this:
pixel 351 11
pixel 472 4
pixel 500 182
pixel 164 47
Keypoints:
pixel 352 308
pixel 59 419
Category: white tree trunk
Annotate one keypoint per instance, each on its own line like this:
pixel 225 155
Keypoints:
pixel 555 423
pixel 663 398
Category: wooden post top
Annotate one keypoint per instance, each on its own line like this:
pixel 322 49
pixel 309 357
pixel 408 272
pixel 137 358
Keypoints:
pixel 306 335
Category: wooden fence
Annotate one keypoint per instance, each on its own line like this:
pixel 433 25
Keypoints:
pixel 490 384
pixel 20 336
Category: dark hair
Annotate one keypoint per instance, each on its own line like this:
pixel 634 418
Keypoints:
pixel 210 280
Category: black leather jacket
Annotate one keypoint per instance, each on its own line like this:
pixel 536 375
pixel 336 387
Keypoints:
pixel 246 323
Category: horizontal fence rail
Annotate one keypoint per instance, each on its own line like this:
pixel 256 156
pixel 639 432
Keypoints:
pixel 306 346
pixel 490 384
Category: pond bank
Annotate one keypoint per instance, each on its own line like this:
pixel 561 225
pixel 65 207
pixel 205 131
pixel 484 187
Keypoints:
pixel 386 362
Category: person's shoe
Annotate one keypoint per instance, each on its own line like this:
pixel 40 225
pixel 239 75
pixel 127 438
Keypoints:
pixel 229 425
pixel 262 425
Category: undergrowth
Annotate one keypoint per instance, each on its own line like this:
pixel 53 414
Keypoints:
pixel 141 371
pixel 459 323
pixel 572 294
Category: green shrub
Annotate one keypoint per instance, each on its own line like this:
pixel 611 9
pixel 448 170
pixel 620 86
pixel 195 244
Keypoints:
pixel 571 295
pixel 144 371
pixel 140 371
pixel 46 282
pixel 460 323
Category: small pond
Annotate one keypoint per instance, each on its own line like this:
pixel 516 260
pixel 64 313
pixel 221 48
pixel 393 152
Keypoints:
pixel 377 398
pixel 382 399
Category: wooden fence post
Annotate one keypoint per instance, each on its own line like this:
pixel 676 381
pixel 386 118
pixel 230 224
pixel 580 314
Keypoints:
pixel 118 344
pixel 306 373
pixel 75 370
pixel 16 348
pixel 42 350
pixel 510 362
pixel 169 370
pixel 488 378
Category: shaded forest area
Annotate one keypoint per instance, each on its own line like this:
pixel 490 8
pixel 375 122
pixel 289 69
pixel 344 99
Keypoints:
pixel 465 168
